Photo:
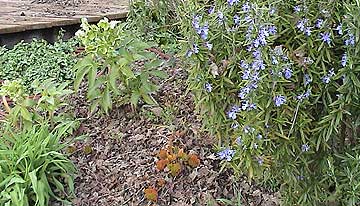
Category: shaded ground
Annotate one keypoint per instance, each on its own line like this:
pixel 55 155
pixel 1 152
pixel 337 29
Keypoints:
pixel 117 162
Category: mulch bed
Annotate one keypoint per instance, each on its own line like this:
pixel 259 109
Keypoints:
pixel 117 160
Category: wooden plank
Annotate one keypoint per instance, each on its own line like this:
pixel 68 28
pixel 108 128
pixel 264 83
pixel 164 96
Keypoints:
pixel 40 16
pixel 5 29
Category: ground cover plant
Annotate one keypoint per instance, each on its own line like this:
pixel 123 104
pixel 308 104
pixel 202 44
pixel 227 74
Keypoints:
pixel 278 83
pixel 38 60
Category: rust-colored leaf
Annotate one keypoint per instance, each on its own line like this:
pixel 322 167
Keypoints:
pixel 161 164
pixel 151 194
pixel 163 154
pixel 193 160
pixel 175 169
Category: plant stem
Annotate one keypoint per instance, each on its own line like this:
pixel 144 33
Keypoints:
pixel 6 105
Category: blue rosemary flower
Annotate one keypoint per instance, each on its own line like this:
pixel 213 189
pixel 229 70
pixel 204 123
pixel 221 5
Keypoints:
pixel 350 41
pixel 195 48
pixel 300 177
pixel 189 53
pixel 305 147
pixel 257 54
pixel 307 31
pixel 260 161
pixel 304 96
pixel 287 73
pixel 246 74
pixel 344 60
pixel 204 31
pixel 243 92
pixel 211 10
pixel 248 19
pixel 259 136
pixel 232 2
pixel 319 23
pixel 248 129
pixel 220 16
pixel 274 60
pixel 302 24
pixel 272 11
pixel 325 37
pixel 244 65
pixel 239 141
pixel 209 45
pixel 279 100
pixel 208 87
pixel 232 113
pixel 272 30
pixel 196 22
pixel 245 105
pixel 234 125
pixel 258 65
pixel 339 29
pixel 297 9
pixel 236 20
pixel 226 154
pixel 326 79
pixel 246 7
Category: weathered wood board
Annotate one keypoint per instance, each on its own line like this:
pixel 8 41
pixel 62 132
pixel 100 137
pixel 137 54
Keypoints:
pixel 24 15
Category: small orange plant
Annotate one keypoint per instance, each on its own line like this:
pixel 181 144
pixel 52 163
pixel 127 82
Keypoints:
pixel 174 159
pixel 151 194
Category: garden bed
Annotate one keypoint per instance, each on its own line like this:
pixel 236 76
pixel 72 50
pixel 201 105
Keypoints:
pixel 124 146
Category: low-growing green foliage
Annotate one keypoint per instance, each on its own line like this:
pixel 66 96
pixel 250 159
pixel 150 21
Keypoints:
pixel 278 82
pixel 38 60
pixel 111 52
pixel 33 170
pixel 156 21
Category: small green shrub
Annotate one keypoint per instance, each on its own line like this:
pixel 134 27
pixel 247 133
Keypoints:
pixel 33 170
pixel 278 82
pixel 111 52
pixel 40 107
pixel 38 60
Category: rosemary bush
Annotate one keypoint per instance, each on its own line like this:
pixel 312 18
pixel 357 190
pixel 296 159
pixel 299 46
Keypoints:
pixel 278 83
